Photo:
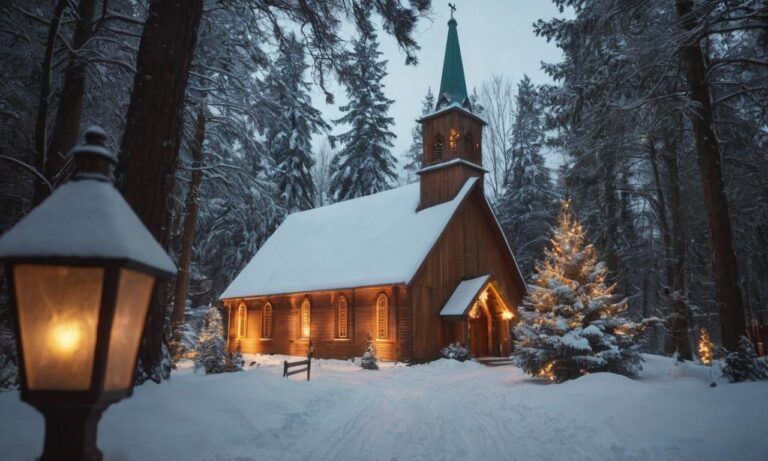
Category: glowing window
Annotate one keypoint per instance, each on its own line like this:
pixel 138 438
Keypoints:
pixel 382 317
pixel 266 321
pixel 437 148
pixel 453 139
pixel 341 316
pixel 242 317
pixel 304 319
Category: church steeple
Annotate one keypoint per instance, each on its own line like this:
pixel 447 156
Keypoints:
pixel 452 133
pixel 453 87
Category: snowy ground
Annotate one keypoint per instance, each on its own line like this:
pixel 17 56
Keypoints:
pixel 440 411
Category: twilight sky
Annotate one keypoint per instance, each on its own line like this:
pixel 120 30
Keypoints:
pixel 496 37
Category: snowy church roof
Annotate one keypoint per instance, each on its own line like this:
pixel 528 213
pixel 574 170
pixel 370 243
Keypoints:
pixel 376 240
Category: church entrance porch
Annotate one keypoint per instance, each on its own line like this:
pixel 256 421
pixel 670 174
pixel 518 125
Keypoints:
pixel 478 316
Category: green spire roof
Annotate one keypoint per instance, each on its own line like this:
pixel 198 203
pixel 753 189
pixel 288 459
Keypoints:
pixel 453 88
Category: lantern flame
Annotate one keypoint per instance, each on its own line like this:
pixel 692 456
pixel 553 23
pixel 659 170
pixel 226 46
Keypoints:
pixel 65 338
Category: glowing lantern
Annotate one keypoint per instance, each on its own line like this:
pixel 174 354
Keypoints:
pixel 80 268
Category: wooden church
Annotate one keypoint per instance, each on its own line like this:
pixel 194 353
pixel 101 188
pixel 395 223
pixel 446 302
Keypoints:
pixel 414 268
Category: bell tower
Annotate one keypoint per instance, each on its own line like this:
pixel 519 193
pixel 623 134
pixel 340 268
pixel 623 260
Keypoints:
pixel 452 133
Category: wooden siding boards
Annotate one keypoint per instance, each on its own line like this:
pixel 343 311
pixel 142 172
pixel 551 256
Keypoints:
pixel 323 337
pixel 470 246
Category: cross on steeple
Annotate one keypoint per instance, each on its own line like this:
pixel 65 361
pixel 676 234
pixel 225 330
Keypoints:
pixel 453 9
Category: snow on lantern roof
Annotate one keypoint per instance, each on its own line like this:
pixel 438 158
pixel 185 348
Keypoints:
pixel 380 239
pixel 85 219
pixel 463 296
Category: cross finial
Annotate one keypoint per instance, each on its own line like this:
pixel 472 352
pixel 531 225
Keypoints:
pixel 453 8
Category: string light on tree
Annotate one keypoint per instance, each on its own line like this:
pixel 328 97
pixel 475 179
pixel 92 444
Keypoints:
pixel 706 348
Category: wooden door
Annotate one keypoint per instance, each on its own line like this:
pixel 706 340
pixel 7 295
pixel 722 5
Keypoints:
pixel 478 335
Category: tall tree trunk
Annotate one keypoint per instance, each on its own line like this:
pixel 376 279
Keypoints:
pixel 41 122
pixel 724 263
pixel 679 299
pixel 66 127
pixel 188 229
pixel 661 208
pixel 150 146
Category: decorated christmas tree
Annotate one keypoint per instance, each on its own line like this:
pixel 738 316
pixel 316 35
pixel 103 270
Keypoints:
pixel 210 347
pixel 570 324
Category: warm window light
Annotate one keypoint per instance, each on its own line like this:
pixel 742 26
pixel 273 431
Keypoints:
pixel 506 315
pixel 80 290
pixel 453 139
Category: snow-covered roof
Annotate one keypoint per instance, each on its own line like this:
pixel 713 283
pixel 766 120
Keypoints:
pixel 85 219
pixel 450 107
pixel 455 161
pixel 463 296
pixel 376 240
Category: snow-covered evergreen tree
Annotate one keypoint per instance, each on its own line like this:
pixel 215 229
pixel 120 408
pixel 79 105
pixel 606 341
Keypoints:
pixel 365 164
pixel 570 325
pixel 234 360
pixel 415 153
pixel 291 123
pixel 527 205
pixel 210 347
pixel 369 360
pixel 744 365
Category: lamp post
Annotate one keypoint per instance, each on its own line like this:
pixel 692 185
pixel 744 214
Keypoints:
pixel 80 269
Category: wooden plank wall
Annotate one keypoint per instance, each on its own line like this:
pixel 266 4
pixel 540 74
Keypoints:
pixel 470 247
pixel 361 313
pixel 442 185
pixel 442 125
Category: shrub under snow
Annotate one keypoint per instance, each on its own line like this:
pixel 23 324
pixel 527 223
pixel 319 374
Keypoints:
pixel 455 351
pixel 744 365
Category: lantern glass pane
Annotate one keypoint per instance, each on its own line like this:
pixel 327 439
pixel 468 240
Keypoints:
pixel 58 308
pixel 133 294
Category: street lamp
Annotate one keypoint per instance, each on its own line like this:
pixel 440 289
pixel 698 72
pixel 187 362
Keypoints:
pixel 80 269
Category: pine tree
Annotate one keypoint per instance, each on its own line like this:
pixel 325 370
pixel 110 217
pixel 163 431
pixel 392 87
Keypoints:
pixel 210 348
pixel 370 361
pixel 415 153
pixel 527 205
pixel 364 165
pixel 234 360
pixel 570 325
pixel 292 122
pixel 744 365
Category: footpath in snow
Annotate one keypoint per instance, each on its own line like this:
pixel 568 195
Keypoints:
pixel 444 410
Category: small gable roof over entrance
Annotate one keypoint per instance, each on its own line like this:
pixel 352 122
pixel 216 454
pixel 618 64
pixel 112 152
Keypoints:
pixel 463 296
pixel 376 240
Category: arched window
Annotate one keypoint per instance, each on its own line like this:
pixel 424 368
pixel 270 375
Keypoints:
pixel 469 145
pixel 382 317
pixel 342 318
pixel 266 321
pixel 437 148
pixel 304 319
pixel 453 139
pixel 242 318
